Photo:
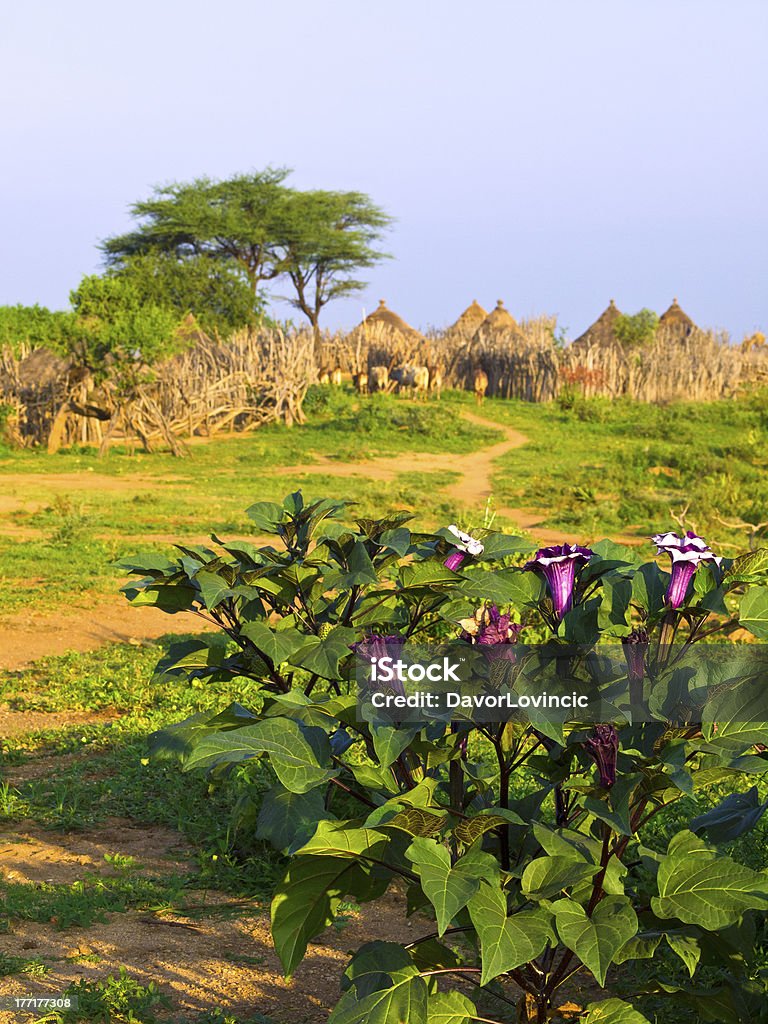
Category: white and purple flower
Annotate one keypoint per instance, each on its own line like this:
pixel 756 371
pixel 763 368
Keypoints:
pixel 560 565
pixel 687 553
pixel 465 545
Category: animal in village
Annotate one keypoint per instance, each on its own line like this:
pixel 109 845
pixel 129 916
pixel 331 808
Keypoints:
pixel 435 380
pixel 336 376
pixel 378 378
pixel 480 385
pixel 412 378
pixel 361 383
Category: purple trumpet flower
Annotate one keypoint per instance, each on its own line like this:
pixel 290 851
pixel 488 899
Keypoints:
pixel 635 646
pixel 558 565
pixel 488 626
pixel 686 553
pixel 465 545
pixel 375 647
pixel 603 748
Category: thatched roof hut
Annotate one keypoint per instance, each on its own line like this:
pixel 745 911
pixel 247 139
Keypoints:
pixel 498 322
pixel 470 319
pixel 385 320
pixel 603 330
pixel 42 368
pixel 675 322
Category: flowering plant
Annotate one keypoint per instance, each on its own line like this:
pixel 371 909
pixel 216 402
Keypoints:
pixel 538 849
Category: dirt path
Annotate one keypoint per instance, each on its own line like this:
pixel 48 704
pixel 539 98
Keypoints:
pixel 26 637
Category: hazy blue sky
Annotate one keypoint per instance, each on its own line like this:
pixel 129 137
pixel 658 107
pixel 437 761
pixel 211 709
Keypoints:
pixel 554 154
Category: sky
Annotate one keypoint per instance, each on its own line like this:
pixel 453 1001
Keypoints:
pixel 551 154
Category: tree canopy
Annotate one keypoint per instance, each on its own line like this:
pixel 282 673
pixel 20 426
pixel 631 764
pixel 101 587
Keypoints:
pixel 636 329
pixel 214 293
pixel 259 229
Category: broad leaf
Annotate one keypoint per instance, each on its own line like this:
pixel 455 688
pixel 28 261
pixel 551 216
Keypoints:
pixel 595 939
pixel 299 754
pixel 288 819
pixel 276 644
pixel 753 611
pixel 506 942
pixel 547 876
pixel 734 816
pixel 448 889
pixel 306 900
pixel 450 1008
pixel 613 1011
pixel 323 656
pixel 700 888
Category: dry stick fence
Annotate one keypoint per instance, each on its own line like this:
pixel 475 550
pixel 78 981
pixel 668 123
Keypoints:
pixel 260 377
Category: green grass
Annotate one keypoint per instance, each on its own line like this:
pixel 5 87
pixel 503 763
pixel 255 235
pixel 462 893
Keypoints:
pixel 601 466
pixel 76 535
pixel 594 466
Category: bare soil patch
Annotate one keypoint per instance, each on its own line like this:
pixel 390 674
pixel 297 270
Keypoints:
pixel 31 854
pixel 217 960
pixel 26 637
pixel 18 723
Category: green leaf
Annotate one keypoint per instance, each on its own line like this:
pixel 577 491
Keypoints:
pixel 168 597
pixel 361 570
pixel 595 939
pixel 641 947
pixel 403 1002
pixel 341 839
pixel 649 585
pixel 450 1008
pixel 323 656
pixel 397 540
pixel 213 588
pixel 503 586
pixel 306 901
pixel 735 815
pixel 425 574
pixel 288 819
pixel 613 1011
pixel 266 515
pixel 447 889
pixel 746 568
pixel 700 888
pixel 276 644
pixel 734 717
pixel 500 545
pixel 390 741
pixel 299 754
pixel 547 876
pixel 753 611
pixel 185 657
pixel 687 947
pixel 507 942
pixel 469 830
pixel 418 822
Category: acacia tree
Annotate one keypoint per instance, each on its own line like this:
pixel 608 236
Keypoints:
pixel 233 221
pixel 327 237
pixel 262 229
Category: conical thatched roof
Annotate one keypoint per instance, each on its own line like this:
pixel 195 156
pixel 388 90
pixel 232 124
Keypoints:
pixel 390 321
pixel 499 319
pixel 603 330
pixel 676 321
pixel 471 318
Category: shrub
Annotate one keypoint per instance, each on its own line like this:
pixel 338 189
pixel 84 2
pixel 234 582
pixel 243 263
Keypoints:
pixel 533 843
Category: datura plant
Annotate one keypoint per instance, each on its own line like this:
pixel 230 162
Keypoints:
pixel 522 848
